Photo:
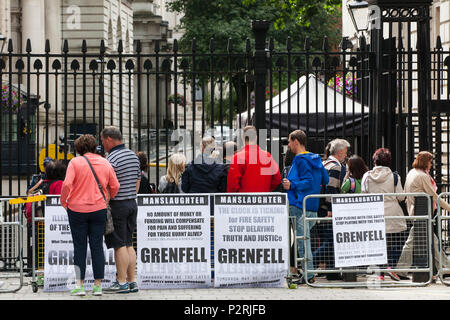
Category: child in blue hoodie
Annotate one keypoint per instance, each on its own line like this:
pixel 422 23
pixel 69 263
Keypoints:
pixel 305 177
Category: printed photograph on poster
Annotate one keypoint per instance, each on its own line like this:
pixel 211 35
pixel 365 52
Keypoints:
pixel 359 230
pixel 173 241
pixel 59 269
pixel 251 243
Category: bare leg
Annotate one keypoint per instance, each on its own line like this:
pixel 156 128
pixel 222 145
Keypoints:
pixel 131 264
pixel 121 256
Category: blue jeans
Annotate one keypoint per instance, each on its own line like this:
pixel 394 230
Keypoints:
pixel 83 226
pixel 301 231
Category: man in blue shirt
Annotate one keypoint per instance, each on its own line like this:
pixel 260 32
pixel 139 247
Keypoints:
pixel 305 177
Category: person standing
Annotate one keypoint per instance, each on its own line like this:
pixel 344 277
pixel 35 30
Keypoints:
pixel 86 209
pixel 305 177
pixel 205 173
pixel 419 179
pixel 334 165
pixel 123 209
pixel 381 179
pixel 144 185
pixel 171 182
pixel 252 169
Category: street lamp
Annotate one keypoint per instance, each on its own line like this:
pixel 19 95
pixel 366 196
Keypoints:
pixel 359 10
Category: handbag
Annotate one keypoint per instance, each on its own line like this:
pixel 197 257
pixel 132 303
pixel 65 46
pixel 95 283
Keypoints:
pixel 109 227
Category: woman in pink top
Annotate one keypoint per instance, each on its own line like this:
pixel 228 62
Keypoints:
pixel 86 208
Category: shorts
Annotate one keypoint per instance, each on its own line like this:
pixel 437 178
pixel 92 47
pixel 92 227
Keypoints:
pixel 124 214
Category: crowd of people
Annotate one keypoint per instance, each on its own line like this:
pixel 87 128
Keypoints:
pixel 92 184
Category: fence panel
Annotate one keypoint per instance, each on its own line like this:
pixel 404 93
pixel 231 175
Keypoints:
pixel 414 245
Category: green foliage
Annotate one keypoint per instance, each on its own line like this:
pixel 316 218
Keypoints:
pixel 224 19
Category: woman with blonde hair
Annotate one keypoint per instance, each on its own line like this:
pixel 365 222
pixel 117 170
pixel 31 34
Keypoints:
pixel 175 168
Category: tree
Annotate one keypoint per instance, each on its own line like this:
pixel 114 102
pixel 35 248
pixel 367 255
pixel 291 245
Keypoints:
pixel 224 19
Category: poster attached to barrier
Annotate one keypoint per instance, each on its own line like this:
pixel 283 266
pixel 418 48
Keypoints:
pixel 173 241
pixel 251 244
pixel 359 230
pixel 59 269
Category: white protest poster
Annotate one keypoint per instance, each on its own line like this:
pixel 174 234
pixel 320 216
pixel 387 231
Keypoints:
pixel 173 241
pixel 251 243
pixel 359 230
pixel 59 270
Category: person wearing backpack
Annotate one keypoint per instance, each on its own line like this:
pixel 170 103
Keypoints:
pixel 356 170
pixel 324 254
pixel 381 179
pixel 171 182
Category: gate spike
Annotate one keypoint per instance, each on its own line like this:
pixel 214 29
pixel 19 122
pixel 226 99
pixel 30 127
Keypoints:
pixel 28 46
pixel 175 45
pixel 83 46
pixel 138 46
pixel 248 46
pixel 211 45
pixel 47 46
pixel 65 46
pixel 194 45
pixel 102 47
pixel 157 46
pixel 271 45
pixel 120 47
pixel 230 45
pixel 288 44
pixel 325 44
pixel 307 44
pixel 438 43
pixel 10 45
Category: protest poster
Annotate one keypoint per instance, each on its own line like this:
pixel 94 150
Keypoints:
pixel 251 244
pixel 59 269
pixel 173 241
pixel 359 230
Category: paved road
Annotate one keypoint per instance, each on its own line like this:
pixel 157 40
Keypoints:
pixel 437 291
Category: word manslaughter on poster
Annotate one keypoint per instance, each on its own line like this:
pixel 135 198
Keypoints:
pixel 173 241
pixel 250 240
pixel 359 230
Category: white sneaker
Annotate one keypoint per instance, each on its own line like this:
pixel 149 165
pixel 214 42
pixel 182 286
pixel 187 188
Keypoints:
pixel 1 284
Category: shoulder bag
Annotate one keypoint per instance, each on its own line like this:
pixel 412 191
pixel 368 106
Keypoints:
pixel 109 228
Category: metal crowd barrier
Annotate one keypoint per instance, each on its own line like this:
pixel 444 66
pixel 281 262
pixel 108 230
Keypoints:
pixel 417 254
pixel 443 231
pixel 11 245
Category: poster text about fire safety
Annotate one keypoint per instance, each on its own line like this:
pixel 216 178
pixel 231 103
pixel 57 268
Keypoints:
pixel 250 240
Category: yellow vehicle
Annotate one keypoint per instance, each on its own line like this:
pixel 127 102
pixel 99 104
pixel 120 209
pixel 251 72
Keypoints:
pixel 52 153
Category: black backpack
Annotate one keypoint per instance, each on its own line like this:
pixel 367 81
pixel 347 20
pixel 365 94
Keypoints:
pixel 171 188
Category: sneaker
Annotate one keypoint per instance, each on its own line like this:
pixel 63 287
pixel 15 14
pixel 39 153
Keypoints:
pixel 380 278
pixel 1 283
pixel 117 288
pixel 96 290
pixel 133 286
pixel 79 291
pixel 393 275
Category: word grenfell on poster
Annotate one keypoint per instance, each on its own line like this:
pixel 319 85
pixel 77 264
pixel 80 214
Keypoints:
pixel 251 244
pixel 359 230
pixel 173 240
pixel 59 269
